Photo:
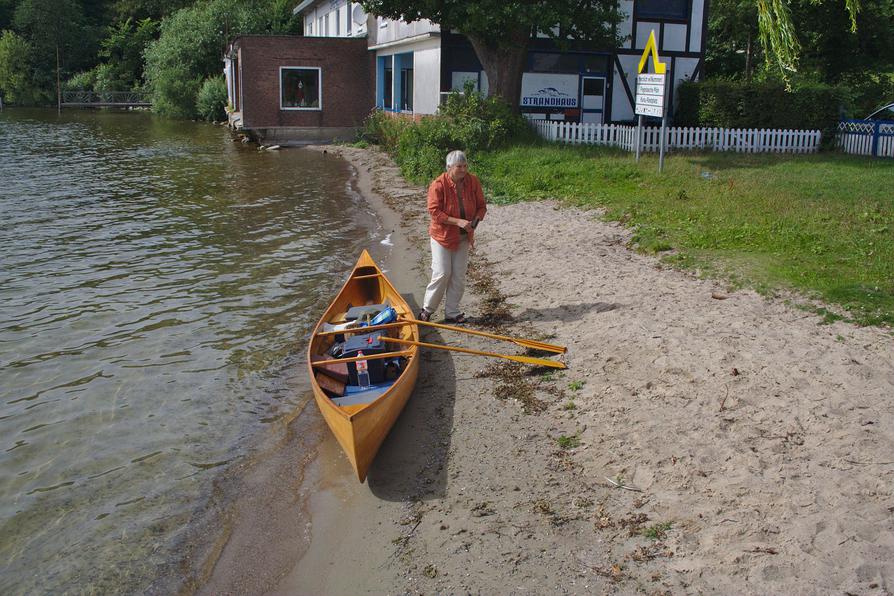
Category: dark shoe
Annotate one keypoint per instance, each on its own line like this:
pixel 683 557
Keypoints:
pixel 457 320
pixel 424 315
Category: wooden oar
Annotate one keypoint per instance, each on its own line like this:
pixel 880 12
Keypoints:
pixel 317 363
pixel 525 343
pixel 522 359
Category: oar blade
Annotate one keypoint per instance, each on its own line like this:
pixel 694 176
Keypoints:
pixel 537 361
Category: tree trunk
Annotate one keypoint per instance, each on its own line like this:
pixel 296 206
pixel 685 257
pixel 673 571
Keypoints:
pixel 504 65
pixel 748 59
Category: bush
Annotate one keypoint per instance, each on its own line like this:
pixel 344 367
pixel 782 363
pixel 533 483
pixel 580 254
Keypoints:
pixel 16 69
pixel 83 81
pixel 867 91
pixel 739 104
pixel 189 48
pixel 467 121
pixel 211 101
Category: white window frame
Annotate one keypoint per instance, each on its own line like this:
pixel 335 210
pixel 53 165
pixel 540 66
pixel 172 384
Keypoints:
pixel 319 107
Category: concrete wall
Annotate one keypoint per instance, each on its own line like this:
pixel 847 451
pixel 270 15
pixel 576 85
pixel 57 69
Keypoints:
pixel 347 71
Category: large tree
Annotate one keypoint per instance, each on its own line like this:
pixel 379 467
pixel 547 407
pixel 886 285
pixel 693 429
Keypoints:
pixel 500 30
pixel 778 33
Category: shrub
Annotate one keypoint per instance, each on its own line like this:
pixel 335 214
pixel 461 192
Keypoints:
pixel 739 104
pixel 16 69
pixel 467 121
pixel 189 47
pixel 211 101
pixel 83 81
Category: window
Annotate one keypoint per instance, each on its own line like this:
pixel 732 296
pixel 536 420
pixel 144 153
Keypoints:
pixel 596 64
pixel 406 89
pixel 299 88
pixel 320 26
pixel 541 62
pixel 662 9
pixel 338 22
pixel 388 91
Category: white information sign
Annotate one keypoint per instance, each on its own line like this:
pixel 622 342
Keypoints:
pixel 649 111
pixel 650 79
pixel 650 95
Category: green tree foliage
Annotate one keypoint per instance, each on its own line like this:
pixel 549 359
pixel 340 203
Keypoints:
pixel 16 76
pixel 146 9
pixel 7 10
pixel 122 50
pixel 733 48
pixel 211 101
pixel 61 26
pixel 500 30
pixel 192 43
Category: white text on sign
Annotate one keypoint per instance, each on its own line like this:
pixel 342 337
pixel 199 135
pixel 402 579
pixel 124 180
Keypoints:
pixel 650 100
pixel 650 90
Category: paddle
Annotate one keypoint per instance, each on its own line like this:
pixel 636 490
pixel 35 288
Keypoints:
pixel 522 359
pixel 525 343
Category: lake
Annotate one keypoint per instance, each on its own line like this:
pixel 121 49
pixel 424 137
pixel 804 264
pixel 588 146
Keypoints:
pixel 157 285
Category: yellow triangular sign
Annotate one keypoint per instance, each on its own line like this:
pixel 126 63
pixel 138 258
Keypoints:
pixel 651 46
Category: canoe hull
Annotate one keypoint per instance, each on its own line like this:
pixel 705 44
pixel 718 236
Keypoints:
pixel 361 430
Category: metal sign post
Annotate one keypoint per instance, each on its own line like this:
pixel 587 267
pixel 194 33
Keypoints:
pixel 651 93
pixel 639 136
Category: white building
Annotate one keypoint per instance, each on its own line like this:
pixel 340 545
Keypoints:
pixel 416 62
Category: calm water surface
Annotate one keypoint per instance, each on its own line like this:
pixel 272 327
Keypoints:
pixel 156 284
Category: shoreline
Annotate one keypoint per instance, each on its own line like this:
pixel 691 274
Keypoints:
pixel 753 442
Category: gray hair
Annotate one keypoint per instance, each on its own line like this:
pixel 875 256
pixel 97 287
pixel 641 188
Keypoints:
pixel 455 158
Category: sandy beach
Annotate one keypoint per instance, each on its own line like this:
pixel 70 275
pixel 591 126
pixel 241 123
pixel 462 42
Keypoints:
pixel 702 441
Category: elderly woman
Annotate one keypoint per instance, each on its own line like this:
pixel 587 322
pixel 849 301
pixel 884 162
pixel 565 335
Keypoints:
pixel 456 203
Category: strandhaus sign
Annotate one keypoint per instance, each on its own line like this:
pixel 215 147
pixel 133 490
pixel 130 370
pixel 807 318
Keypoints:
pixel 549 91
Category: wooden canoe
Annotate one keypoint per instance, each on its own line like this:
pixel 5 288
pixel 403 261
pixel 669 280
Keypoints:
pixel 362 427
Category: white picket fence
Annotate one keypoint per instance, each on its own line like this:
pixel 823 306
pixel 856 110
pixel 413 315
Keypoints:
pixel 861 137
pixel 681 138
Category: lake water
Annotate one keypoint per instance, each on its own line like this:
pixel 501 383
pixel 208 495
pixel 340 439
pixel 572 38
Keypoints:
pixel 157 282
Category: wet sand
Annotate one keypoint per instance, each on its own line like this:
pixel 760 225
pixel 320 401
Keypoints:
pixel 702 440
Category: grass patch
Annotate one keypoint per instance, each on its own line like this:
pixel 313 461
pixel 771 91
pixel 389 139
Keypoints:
pixel 657 531
pixel 568 442
pixel 822 225
pixel 569 405
pixel 576 385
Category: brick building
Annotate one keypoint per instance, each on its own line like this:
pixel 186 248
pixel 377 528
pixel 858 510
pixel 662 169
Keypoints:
pixel 293 89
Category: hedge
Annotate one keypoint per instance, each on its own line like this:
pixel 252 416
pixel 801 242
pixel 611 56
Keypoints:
pixel 738 104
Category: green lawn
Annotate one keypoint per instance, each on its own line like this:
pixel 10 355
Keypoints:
pixel 822 225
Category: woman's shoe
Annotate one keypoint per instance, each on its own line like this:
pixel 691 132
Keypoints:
pixel 424 315
pixel 458 319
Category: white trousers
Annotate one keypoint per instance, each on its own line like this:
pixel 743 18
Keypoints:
pixel 448 276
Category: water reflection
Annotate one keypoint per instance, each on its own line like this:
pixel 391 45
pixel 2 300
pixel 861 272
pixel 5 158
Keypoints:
pixel 156 280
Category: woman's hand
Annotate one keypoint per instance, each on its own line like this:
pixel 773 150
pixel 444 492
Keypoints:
pixel 465 224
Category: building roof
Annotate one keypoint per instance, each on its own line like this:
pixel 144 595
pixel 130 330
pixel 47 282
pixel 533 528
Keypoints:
pixel 302 6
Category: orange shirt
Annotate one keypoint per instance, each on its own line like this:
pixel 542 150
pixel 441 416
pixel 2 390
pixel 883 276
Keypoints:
pixel 443 203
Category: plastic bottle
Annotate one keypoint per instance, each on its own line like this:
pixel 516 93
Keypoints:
pixel 362 372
